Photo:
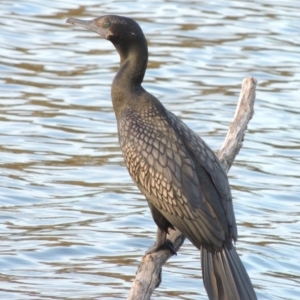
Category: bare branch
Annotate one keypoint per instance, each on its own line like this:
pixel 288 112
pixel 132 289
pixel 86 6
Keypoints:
pixel 148 275
pixel 237 128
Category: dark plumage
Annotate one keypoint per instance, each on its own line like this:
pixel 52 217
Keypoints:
pixel 182 179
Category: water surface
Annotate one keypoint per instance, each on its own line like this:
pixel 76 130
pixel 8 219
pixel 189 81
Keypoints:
pixel 73 225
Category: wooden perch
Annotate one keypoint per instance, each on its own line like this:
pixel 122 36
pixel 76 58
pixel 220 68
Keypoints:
pixel 148 275
pixel 237 128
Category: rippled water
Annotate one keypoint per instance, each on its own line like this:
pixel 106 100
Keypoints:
pixel 73 225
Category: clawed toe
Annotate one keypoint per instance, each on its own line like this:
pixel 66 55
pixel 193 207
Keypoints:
pixel 166 245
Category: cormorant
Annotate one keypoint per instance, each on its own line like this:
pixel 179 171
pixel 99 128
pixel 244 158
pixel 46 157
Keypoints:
pixel 180 176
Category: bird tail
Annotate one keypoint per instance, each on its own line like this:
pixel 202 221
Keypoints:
pixel 224 275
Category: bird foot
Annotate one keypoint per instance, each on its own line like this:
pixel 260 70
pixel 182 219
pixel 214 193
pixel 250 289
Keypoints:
pixel 166 245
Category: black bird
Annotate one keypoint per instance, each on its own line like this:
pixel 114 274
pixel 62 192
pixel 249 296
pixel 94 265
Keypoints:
pixel 180 176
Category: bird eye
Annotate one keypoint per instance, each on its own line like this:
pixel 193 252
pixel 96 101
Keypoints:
pixel 106 24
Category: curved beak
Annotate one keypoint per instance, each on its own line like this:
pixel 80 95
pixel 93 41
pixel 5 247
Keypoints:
pixel 90 25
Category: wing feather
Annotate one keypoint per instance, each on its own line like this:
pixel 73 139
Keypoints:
pixel 165 168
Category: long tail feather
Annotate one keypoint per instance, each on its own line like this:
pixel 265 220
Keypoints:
pixel 224 275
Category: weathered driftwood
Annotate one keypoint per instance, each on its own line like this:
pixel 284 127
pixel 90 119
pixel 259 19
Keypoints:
pixel 148 275
pixel 237 128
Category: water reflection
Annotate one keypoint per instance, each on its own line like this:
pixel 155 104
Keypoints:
pixel 72 223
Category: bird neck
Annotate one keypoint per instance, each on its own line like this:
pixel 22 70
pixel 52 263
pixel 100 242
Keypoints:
pixel 127 82
pixel 133 64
